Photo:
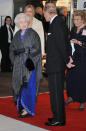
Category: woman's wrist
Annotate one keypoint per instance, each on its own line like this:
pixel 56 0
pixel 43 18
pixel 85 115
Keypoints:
pixel 79 43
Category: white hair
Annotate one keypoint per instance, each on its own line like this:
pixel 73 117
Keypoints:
pixel 19 16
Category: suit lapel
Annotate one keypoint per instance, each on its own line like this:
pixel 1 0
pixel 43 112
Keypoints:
pixel 6 31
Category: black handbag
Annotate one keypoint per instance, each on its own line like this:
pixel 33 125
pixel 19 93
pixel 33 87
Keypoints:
pixel 29 64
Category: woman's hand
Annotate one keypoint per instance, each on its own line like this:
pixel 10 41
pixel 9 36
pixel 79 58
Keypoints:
pixel 79 43
pixel 76 42
pixel 73 41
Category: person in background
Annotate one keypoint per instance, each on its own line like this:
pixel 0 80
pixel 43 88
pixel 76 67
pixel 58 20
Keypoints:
pixel 76 77
pixel 39 13
pixel 6 36
pixel 63 13
pixel 57 58
pixel 25 55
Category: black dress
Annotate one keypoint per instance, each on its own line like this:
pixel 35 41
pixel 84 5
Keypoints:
pixel 76 77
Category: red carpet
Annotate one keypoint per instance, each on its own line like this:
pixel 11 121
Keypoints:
pixel 75 119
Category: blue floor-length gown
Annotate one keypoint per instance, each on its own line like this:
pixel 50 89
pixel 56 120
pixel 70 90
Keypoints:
pixel 27 97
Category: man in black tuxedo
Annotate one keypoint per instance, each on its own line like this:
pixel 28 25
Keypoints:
pixel 6 35
pixel 57 58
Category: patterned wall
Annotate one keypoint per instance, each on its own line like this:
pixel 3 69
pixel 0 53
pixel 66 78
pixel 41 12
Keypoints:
pixel 75 3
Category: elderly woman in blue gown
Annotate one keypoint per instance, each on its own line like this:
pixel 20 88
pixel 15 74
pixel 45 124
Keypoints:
pixel 25 55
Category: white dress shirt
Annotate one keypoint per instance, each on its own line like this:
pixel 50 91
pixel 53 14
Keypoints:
pixel 52 18
pixel 9 34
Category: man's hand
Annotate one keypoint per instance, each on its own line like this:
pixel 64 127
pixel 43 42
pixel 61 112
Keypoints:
pixel 71 60
pixel 70 65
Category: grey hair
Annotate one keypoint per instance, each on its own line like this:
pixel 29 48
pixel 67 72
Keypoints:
pixel 19 16
pixel 62 9
pixel 50 8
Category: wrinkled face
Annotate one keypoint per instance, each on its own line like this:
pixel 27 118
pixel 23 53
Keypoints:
pixel 47 16
pixel 8 21
pixel 23 24
pixel 78 21
pixel 29 12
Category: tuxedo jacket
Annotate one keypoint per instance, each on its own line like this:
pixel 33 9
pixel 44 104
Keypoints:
pixel 56 47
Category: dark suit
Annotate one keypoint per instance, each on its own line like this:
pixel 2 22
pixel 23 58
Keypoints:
pixel 57 57
pixel 4 46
